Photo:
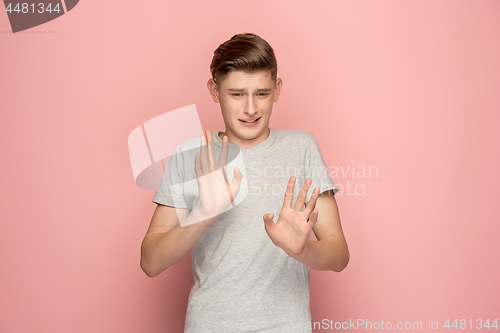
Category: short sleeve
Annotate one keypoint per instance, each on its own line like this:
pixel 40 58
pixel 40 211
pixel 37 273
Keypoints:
pixel 170 192
pixel 317 170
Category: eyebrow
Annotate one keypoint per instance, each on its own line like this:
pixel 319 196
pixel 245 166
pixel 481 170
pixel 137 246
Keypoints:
pixel 260 89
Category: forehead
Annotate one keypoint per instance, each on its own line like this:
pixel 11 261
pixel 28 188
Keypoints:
pixel 241 79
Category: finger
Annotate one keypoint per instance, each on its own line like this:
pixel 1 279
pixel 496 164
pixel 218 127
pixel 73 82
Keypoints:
pixel 228 186
pixel 223 158
pixel 211 150
pixel 269 223
pixel 197 166
pixel 289 193
pixel 224 153
pixel 299 204
pixel 312 202
pixel 224 174
pixel 204 156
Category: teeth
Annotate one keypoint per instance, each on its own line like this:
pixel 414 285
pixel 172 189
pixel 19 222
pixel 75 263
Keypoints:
pixel 253 121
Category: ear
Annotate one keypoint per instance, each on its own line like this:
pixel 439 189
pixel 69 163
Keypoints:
pixel 213 90
pixel 277 89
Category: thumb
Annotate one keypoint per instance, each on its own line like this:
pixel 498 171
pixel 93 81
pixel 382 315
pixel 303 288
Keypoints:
pixel 314 218
pixel 235 184
pixel 238 175
pixel 268 221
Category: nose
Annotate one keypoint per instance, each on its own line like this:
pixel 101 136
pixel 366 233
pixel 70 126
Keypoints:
pixel 251 107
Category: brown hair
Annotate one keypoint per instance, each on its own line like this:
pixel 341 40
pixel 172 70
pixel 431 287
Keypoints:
pixel 247 52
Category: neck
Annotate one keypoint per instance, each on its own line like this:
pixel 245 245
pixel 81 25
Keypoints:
pixel 245 143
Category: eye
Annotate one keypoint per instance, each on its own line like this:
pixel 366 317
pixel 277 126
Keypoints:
pixel 263 94
pixel 236 94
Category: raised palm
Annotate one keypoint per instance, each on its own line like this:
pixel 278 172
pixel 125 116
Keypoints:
pixel 292 229
pixel 216 195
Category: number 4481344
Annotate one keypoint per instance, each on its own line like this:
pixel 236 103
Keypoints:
pixel 25 8
pixel 462 324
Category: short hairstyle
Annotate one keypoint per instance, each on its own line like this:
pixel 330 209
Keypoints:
pixel 247 52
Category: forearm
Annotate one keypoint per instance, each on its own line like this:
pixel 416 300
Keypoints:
pixel 159 251
pixel 330 253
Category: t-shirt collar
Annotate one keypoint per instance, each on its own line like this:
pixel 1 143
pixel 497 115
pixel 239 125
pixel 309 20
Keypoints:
pixel 271 138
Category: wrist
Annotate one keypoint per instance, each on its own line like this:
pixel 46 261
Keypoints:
pixel 201 218
pixel 302 255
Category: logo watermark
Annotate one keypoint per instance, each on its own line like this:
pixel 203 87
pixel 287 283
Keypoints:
pixel 24 15
pixel 357 173
pixel 271 180
pixel 365 324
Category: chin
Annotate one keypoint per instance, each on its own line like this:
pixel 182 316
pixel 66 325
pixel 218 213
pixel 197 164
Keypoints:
pixel 252 132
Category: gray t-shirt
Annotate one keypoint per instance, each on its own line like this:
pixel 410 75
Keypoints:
pixel 242 281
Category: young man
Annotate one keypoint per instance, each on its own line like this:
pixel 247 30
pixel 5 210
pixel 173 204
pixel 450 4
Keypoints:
pixel 251 273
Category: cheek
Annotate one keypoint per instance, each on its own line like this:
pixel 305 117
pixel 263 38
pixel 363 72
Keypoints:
pixel 267 106
pixel 230 106
pixel 229 110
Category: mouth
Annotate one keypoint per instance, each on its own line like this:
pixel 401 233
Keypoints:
pixel 250 121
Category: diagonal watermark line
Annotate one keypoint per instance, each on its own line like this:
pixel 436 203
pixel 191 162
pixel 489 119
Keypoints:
pixel 149 147
pixel 64 6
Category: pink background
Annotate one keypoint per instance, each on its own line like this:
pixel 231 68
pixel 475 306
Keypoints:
pixel 411 87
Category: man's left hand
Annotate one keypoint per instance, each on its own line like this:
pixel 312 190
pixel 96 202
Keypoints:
pixel 292 229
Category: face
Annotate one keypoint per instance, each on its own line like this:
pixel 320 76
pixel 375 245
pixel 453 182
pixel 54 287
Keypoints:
pixel 246 96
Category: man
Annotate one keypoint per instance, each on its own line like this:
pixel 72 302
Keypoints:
pixel 251 274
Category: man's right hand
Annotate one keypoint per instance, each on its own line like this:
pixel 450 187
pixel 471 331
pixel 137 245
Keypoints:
pixel 216 195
